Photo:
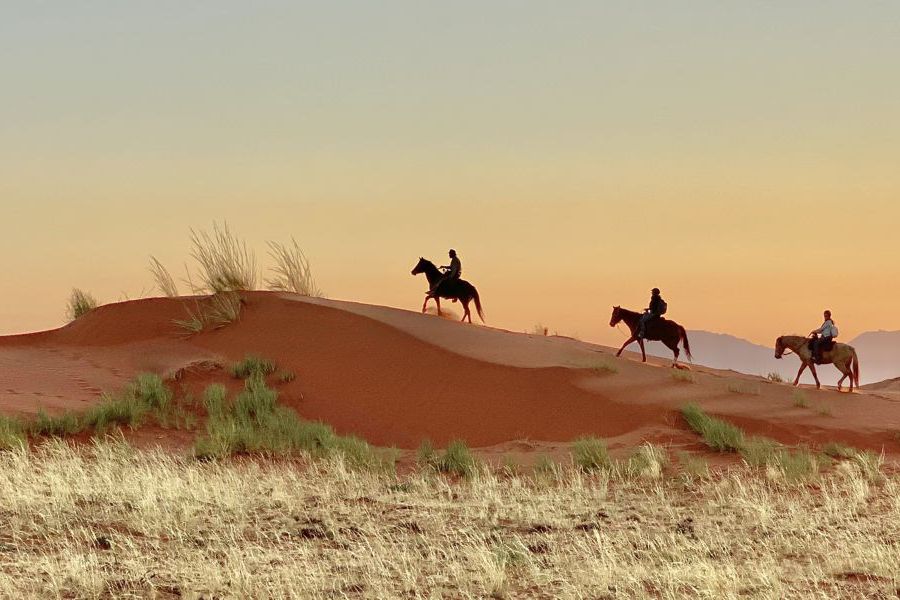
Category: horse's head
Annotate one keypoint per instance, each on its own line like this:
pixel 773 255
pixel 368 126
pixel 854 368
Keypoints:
pixel 616 316
pixel 779 347
pixel 420 266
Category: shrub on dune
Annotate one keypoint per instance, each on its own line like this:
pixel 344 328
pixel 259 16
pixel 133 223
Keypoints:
pixel 225 263
pixel 80 303
pixel 718 435
pixel 292 270
pixel 252 365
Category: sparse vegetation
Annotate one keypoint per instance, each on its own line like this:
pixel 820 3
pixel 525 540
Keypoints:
pixel 692 466
pixel 717 434
pixel 682 376
pixel 539 329
pixel 743 387
pixel 647 461
pixel 163 279
pixel 775 377
pixel 252 365
pixel 80 303
pixel 286 376
pixel 457 459
pixel 838 450
pixel 224 262
pixel 224 308
pixel 603 368
pixel 255 424
pixel 800 399
pixel 138 524
pixel 590 454
pixel 292 270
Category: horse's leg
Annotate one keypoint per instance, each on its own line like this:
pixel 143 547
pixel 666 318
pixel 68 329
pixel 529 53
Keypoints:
pixel 466 313
pixel 628 341
pixel 841 381
pixel 643 352
pixel 812 368
pixel 437 300
pixel 800 372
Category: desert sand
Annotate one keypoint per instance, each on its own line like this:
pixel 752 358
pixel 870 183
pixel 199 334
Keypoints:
pixel 396 377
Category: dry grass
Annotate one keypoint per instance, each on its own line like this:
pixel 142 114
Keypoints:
pixel 224 262
pixel 683 376
pixel 107 521
pixel 292 270
pixel 163 279
pixel 216 311
pixel 744 388
pixel 80 303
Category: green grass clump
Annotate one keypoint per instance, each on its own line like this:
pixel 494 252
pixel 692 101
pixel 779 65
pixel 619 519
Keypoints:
pixel 800 399
pixel 760 451
pixel 254 423
pixel 11 434
pixel 693 467
pixel 145 395
pixel 252 365
pixel 775 377
pixel 682 376
pixel 56 425
pixel 80 303
pixel 717 434
pixel 590 454
pixel 648 460
pixel 457 459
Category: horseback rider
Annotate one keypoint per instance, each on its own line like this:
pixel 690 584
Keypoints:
pixel 657 308
pixel 823 337
pixel 452 272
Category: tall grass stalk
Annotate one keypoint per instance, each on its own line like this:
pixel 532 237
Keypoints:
pixel 292 271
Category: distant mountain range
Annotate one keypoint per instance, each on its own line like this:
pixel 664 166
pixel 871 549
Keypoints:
pixel 879 356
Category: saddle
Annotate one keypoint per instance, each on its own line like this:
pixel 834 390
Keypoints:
pixel 824 346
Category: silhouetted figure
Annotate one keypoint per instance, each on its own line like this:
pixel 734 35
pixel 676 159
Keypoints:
pixel 657 308
pixel 452 289
pixel 452 272
pixel 823 337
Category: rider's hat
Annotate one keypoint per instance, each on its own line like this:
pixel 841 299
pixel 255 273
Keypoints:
pixel 654 291
pixel 452 251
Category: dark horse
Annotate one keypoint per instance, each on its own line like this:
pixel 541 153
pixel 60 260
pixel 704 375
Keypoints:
pixel 659 329
pixel 459 289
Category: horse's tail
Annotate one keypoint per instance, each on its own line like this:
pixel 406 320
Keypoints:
pixel 685 342
pixel 855 366
pixel 477 300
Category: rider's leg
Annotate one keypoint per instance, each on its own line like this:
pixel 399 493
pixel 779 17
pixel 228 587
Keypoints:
pixel 642 324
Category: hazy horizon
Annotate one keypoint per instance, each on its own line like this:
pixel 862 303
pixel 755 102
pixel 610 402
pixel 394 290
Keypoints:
pixel 743 158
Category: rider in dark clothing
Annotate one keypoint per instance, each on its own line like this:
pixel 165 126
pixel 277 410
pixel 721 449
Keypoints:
pixel 823 336
pixel 452 271
pixel 656 309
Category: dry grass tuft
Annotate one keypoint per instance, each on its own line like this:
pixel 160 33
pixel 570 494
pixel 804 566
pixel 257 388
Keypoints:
pixel 683 376
pixel 225 264
pixel 292 270
pixel 80 303
pixel 743 387
pixel 164 280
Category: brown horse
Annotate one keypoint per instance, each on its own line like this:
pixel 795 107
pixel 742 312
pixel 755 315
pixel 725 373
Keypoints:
pixel 661 330
pixel 842 356
pixel 458 289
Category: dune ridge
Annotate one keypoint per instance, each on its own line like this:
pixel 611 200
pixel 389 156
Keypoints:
pixel 396 377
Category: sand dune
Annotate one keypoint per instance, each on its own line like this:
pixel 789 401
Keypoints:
pixel 396 377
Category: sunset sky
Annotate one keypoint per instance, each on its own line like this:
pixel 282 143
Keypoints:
pixel 742 156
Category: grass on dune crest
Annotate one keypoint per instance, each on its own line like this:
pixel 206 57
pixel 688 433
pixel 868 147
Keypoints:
pixel 80 303
pixel 252 365
pixel 163 278
pixel 456 459
pixel 140 524
pixel 224 263
pixel 292 271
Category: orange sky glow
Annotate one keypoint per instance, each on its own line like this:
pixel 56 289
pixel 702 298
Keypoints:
pixel 744 160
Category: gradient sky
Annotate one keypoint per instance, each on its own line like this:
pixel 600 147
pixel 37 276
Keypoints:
pixel 742 156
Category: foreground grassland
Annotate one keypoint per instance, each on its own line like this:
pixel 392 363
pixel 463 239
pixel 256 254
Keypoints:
pixel 109 521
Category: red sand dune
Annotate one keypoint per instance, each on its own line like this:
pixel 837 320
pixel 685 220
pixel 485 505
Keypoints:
pixel 396 377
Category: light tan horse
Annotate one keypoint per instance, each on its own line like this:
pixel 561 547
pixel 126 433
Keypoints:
pixel 842 356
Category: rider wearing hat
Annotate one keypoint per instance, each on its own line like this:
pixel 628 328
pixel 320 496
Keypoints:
pixel 452 271
pixel 656 309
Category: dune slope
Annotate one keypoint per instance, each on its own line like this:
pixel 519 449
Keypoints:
pixel 396 377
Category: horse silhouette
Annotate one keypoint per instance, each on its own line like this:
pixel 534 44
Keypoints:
pixel 659 329
pixel 450 289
